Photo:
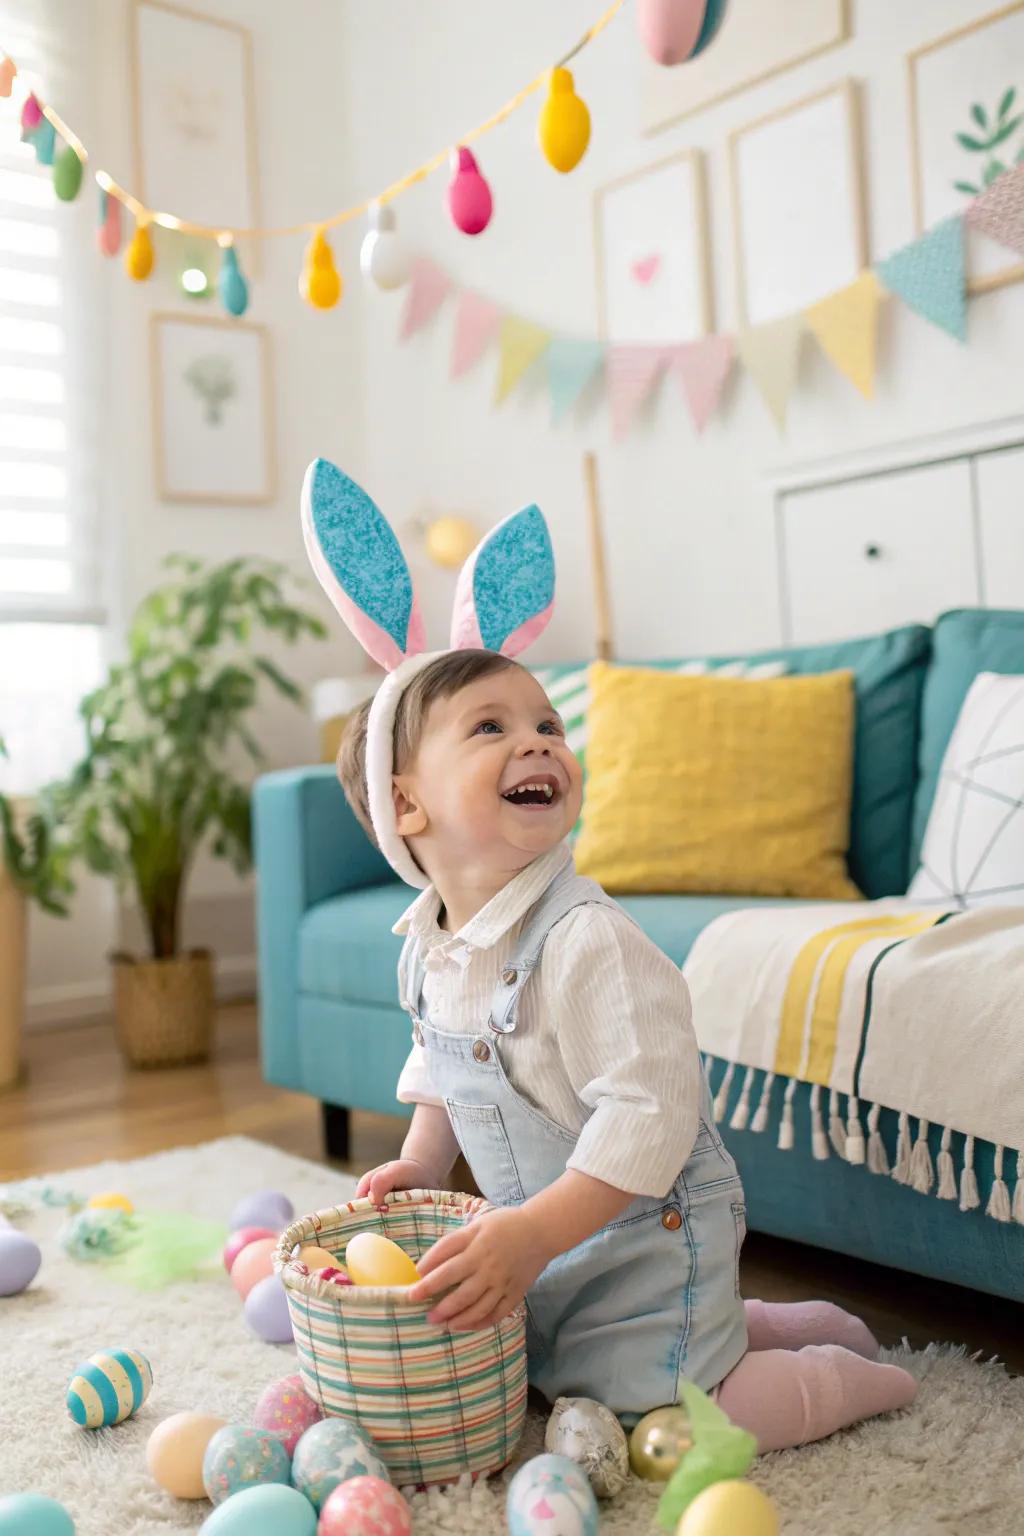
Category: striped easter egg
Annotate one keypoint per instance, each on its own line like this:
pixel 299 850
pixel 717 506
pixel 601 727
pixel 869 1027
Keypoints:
pixel 108 1387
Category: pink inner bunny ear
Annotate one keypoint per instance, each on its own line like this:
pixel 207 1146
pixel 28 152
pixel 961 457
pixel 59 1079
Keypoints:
pixel 506 589
pixel 358 562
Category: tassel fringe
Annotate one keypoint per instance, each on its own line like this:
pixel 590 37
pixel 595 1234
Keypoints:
pixel 760 1121
pixel 741 1114
pixel 722 1096
pixel 922 1174
pixel 901 1173
pixel 878 1162
pixel 1018 1193
pixel 819 1141
pixel 854 1134
pixel 969 1197
pixel 947 1173
pixel 836 1129
pixel 999 1200
pixel 786 1126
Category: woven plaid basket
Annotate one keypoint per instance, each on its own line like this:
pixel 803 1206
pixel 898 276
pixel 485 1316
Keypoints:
pixel 435 1403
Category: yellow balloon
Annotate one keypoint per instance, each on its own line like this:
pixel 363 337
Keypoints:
pixel 374 1260
pixel 139 257
pixel 730 1509
pixel 320 284
pixel 110 1202
pixel 564 124
pixel 451 540
pixel 659 1442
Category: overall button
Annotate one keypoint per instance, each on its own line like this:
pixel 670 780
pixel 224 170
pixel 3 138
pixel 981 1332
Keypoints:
pixel 671 1219
pixel 481 1051
pixel 509 976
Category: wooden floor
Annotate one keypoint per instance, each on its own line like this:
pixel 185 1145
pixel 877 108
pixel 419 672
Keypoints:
pixel 81 1105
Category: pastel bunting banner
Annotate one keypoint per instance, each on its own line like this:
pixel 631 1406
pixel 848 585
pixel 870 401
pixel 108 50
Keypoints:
pixel 429 286
pixel 632 372
pixel 520 343
pixel 999 210
pixel 477 322
pixel 846 326
pixel 771 355
pixel 571 366
pixel 701 369
pixel 929 276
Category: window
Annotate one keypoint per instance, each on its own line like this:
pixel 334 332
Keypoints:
pixel 51 610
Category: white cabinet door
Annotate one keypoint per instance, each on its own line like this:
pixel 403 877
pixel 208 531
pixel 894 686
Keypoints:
pixel 1001 503
pixel 869 554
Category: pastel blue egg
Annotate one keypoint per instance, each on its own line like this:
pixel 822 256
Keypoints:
pixel 31 1514
pixel 330 1453
pixel 20 1259
pixel 270 1511
pixel 240 1458
pixel 108 1387
pixel 551 1493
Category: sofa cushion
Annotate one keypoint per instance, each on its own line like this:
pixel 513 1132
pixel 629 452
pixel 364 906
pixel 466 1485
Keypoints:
pixel 964 642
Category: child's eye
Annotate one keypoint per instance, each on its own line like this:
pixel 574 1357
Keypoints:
pixel 551 728
pixel 487 728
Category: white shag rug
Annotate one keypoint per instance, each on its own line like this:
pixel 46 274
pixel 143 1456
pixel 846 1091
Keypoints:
pixel 951 1464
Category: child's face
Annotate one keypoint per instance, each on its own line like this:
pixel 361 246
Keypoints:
pixel 464 796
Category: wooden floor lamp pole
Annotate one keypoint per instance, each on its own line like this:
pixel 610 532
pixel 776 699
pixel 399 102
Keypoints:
pixel 602 605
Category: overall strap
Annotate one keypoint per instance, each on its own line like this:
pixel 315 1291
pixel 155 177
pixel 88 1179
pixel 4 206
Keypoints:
pixel 410 979
pixel 566 892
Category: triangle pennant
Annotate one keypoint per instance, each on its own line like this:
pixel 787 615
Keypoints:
pixel 632 374
pixel 521 343
pixel 476 325
pixel 999 210
pixel 846 325
pixel 929 276
pixel 571 365
pixel 702 368
pixel 771 354
pixel 428 288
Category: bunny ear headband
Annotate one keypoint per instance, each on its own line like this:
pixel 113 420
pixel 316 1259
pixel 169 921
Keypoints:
pixel 503 601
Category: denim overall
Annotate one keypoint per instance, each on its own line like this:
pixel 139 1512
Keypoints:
pixel 652 1296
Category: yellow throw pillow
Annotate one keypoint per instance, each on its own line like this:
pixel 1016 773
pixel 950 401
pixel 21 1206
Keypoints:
pixel 719 784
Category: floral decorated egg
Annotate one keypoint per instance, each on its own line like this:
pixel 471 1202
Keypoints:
pixel 550 1496
pixel 589 1434
pixel 238 1458
pixel 286 1411
pixel 330 1453
pixel 366 1506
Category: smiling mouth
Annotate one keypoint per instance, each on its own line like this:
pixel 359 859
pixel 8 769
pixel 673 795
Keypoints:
pixel 534 795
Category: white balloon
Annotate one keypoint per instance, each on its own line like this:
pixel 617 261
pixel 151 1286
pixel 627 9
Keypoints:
pixel 383 258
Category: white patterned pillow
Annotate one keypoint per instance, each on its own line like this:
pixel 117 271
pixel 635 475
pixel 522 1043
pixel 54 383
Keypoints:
pixel 973 851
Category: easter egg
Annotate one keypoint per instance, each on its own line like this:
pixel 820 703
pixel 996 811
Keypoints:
pixel 333 1276
pixel 270 1511
pixel 330 1453
pixel 286 1411
pixel 20 1259
pixel 374 1260
pixel 589 1434
pixel 267 1208
pixel 110 1202
pixel 108 1387
pixel 175 1451
pixel 253 1264
pixel 551 1493
pixel 659 1442
pixel 241 1239
pixel 266 1311
pixel 317 1258
pixel 730 1509
pixel 365 1506
pixel 238 1457
pixel 32 1514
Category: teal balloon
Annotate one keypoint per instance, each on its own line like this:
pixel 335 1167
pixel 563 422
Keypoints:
pixel 231 285
pixel 713 18
pixel 67 175
pixel 32 1514
pixel 270 1511
pixel 44 141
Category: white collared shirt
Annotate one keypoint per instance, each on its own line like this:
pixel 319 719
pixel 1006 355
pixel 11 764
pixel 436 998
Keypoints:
pixel 604 1043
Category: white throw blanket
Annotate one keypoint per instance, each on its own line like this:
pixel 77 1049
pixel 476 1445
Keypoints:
pixel 890 1003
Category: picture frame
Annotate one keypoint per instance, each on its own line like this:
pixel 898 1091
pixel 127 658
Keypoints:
pixel 957 85
pixel 652 253
pixel 194 123
pixel 212 401
pixel 798 204
pixel 750 48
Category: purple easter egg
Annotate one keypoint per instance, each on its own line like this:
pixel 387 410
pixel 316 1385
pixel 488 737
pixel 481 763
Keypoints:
pixel 266 1311
pixel 266 1208
pixel 20 1259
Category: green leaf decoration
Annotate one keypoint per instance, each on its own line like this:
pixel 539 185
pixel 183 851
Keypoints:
pixel 720 1452
pixel 968 187
pixel 967 142
pixel 980 115
pixel 993 171
pixel 1005 132
pixel 1009 97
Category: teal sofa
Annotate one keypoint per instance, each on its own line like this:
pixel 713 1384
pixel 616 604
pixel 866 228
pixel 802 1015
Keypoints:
pixel 330 1023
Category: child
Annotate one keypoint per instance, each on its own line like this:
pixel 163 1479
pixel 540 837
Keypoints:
pixel 552 1040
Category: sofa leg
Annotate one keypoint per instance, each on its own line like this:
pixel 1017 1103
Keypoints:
pixel 336 1123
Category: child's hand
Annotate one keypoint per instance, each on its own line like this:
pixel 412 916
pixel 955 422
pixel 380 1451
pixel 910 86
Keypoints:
pixel 491 1263
pixel 403 1173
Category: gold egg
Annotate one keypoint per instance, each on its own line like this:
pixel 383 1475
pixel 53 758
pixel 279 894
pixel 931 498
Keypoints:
pixel 659 1442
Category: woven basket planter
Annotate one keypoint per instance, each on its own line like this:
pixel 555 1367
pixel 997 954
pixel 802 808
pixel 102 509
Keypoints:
pixel 435 1403
pixel 163 1009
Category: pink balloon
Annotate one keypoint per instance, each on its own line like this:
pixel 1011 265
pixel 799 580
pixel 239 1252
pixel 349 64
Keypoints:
pixel 469 197
pixel 669 29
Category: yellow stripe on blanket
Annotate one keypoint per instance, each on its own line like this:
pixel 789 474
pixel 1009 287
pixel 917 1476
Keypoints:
pixel 825 960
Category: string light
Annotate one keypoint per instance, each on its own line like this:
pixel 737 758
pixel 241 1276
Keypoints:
pixel 195 282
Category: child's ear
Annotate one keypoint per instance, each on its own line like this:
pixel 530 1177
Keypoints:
pixel 410 818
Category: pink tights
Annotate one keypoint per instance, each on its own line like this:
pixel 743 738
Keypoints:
pixel 810 1369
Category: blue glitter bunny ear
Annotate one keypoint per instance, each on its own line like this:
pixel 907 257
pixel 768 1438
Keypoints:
pixel 506 588
pixel 358 562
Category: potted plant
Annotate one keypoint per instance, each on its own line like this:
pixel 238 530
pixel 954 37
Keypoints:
pixel 167 770
pixel 34 866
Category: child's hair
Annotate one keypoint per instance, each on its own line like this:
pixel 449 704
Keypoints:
pixel 442 679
